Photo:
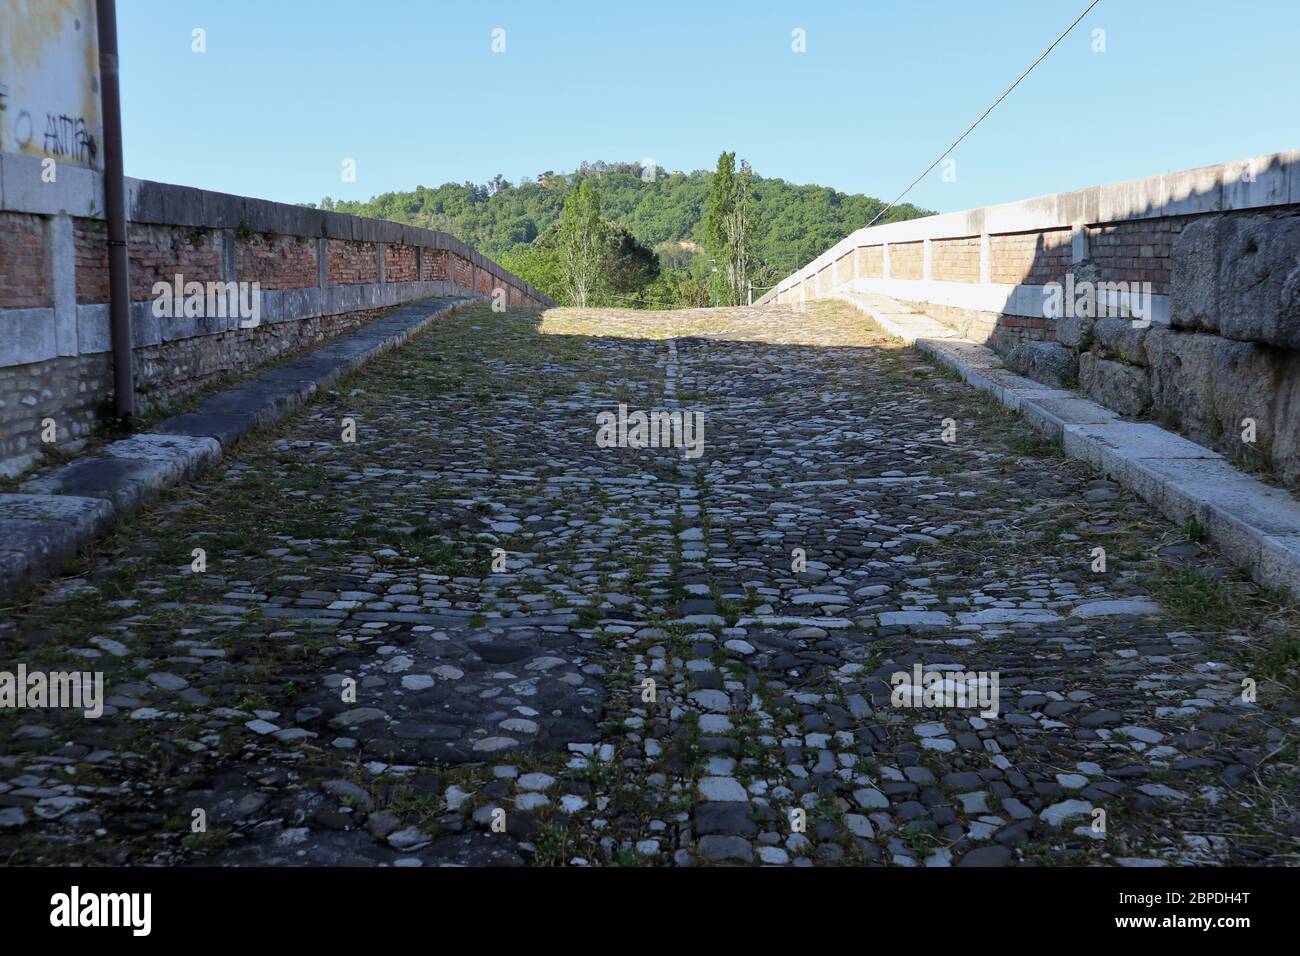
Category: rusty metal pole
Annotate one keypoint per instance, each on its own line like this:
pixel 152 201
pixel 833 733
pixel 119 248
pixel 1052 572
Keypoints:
pixel 119 282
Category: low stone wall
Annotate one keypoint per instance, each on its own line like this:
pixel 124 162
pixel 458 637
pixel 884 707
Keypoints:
pixel 1195 283
pixel 317 273
pixel 1225 371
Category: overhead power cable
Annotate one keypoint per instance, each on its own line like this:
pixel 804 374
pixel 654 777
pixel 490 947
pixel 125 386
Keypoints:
pixel 972 126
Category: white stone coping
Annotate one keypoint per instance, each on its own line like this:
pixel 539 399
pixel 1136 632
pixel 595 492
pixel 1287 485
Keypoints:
pixel 1269 180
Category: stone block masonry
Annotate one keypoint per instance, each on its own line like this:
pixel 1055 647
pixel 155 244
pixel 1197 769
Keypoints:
pixel 318 273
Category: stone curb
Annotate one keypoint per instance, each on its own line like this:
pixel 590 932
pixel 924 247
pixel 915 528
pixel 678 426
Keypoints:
pixel 58 513
pixel 1257 526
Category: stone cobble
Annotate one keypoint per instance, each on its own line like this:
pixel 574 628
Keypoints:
pixel 473 635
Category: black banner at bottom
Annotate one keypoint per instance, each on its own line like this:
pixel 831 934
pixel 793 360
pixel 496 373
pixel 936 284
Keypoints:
pixel 336 905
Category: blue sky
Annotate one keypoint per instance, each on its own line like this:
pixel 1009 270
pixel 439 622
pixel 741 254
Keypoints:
pixel 411 90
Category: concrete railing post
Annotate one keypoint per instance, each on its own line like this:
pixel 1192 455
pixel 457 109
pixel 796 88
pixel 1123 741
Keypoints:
pixel 1079 243
pixel 61 266
pixel 323 266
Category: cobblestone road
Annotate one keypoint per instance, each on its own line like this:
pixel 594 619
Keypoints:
pixel 350 680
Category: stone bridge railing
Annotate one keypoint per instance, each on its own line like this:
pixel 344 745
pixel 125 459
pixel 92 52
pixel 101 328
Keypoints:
pixel 317 273
pixel 1199 270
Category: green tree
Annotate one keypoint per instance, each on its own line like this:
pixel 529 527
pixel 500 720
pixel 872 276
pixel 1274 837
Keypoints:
pixel 582 243
pixel 539 265
pixel 731 228
pixel 628 264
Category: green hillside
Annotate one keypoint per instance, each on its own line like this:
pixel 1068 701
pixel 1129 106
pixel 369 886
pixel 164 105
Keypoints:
pixel 663 212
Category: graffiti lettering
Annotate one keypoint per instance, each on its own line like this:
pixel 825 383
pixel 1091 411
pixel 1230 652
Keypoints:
pixel 65 136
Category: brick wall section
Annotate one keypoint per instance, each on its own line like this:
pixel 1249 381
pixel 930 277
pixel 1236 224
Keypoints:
pixel 399 263
pixel 955 260
pixel 1135 251
pixel 277 262
pixel 461 273
pixel 1030 258
pixel 844 267
pixel 352 263
pixel 906 260
pixel 89 236
pixel 434 265
pixel 160 253
pixel 871 261
pixel 24 277
pixel 211 236
pixel 156 253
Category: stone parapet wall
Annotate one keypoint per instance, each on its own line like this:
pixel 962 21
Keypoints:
pixel 317 273
pixel 997 259
pixel 1214 253
pixel 1225 371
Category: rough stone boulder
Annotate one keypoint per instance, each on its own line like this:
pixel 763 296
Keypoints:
pixel 1113 337
pixel 1239 276
pixel 1048 362
pixel 1075 331
pixel 1208 386
pixel 1121 388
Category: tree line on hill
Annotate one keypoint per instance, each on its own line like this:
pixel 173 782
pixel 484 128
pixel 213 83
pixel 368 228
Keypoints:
pixel 634 235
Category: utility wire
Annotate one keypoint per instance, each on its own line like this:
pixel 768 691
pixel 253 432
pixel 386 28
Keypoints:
pixel 958 140
pixel 972 126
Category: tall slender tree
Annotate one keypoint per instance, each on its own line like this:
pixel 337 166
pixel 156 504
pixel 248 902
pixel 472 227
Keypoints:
pixel 731 227
pixel 582 242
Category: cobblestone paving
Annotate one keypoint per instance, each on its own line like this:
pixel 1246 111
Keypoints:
pixel 349 680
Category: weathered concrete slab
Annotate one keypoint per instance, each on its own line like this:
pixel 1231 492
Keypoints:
pixel 1052 413
pixel 226 428
pixel 123 482
pixel 1115 446
pixel 86 513
pixel 894 318
pixel 38 533
pixel 130 472
pixel 1256 525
